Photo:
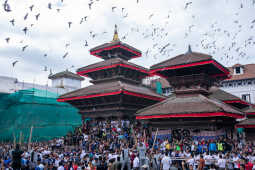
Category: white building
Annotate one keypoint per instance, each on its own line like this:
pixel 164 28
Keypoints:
pixel 242 82
pixel 62 82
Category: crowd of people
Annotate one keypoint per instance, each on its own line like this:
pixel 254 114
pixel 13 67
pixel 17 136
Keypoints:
pixel 122 145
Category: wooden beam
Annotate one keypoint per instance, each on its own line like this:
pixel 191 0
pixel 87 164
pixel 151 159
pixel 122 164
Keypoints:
pixel 108 109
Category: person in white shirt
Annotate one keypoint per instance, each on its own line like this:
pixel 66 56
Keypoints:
pixel 221 163
pixel 166 162
pixel 187 154
pixel 125 157
pixel 236 161
pixel 61 167
pixel 208 160
pixel 136 162
pixel 191 162
pixel 197 158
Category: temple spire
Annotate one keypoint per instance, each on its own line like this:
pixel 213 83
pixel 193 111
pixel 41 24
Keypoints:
pixel 115 36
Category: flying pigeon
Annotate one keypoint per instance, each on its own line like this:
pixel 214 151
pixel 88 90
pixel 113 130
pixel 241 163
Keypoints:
pixel 69 24
pixel 37 16
pixel 113 8
pixel 49 5
pixel 31 7
pixel 12 22
pixel 25 17
pixel 187 5
pixel 86 43
pixel 7 39
pixel 14 63
pixel 25 30
pixel 24 47
pixel 7 7
pixel 90 4
pixel 64 56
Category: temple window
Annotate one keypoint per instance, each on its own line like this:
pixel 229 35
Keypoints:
pixel 238 70
pixel 246 97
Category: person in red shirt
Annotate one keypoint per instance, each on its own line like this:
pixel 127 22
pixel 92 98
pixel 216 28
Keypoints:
pixel 248 165
pixel 75 166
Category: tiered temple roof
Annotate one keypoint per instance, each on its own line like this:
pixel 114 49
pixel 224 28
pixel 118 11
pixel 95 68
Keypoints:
pixel 192 75
pixel 117 90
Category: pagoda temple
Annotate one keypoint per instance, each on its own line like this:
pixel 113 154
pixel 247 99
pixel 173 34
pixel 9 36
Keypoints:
pixel 196 102
pixel 117 90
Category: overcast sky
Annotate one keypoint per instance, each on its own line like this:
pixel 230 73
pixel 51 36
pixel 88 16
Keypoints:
pixel 161 29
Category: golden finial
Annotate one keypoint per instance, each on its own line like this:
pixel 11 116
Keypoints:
pixel 115 36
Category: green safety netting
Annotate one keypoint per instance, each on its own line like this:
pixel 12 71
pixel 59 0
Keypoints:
pixel 23 109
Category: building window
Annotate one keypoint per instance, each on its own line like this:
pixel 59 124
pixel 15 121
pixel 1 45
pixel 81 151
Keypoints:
pixel 238 70
pixel 249 83
pixel 239 83
pixel 230 84
pixel 246 97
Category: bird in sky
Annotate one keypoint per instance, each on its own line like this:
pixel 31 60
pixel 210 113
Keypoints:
pixel 31 8
pixel 81 20
pixel 24 47
pixel 151 15
pixel 49 6
pixel 7 7
pixel 69 24
pixel 14 63
pixel 163 48
pixel 90 5
pixel 187 5
pixel 25 17
pixel 113 8
pixel 25 30
pixel 123 38
pixel 67 45
pixel 37 16
pixel 7 39
pixel 125 16
pixel 65 55
pixel 12 22
pixel 86 43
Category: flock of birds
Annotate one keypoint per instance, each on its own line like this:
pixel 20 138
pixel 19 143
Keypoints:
pixel 155 33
